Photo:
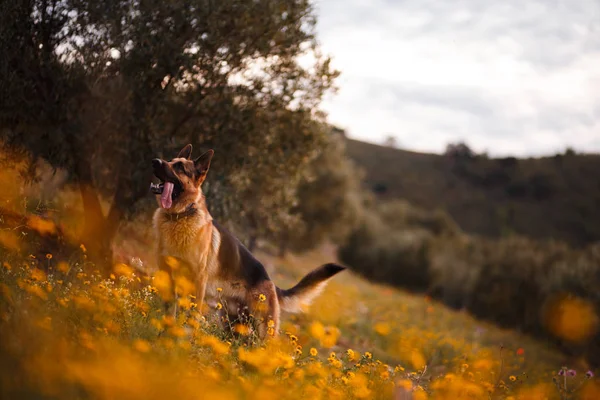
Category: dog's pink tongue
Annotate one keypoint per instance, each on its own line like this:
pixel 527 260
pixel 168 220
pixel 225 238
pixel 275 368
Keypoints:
pixel 166 201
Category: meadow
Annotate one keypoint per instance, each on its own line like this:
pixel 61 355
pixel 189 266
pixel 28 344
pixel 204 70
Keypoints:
pixel 70 332
pixel 93 91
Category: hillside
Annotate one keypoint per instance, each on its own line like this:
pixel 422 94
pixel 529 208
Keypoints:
pixel 358 340
pixel 544 198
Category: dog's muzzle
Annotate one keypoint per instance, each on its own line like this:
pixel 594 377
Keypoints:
pixel 156 188
pixel 157 166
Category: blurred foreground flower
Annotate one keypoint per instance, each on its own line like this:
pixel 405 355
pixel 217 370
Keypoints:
pixel 571 318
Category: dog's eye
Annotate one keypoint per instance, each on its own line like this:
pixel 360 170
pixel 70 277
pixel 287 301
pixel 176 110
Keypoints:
pixel 178 165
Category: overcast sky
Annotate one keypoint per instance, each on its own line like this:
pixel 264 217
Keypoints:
pixel 508 77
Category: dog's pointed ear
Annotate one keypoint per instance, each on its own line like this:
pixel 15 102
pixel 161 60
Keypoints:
pixel 202 163
pixel 186 152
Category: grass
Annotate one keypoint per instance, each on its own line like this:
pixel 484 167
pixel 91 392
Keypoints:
pixel 69 333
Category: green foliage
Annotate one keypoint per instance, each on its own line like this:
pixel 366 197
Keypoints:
pixel 511 281
pixel 383 251
pixel 101 88
pixel 329 199
pixel 459 151
pixel 543 198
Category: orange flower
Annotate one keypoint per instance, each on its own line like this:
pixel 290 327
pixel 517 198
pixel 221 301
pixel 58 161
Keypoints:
pixel 141 345
pixel 520 351
pixel 40 225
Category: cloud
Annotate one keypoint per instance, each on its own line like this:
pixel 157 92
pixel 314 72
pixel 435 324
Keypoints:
pixel 507 77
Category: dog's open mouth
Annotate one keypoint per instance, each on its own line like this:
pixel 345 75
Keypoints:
pixel 168 192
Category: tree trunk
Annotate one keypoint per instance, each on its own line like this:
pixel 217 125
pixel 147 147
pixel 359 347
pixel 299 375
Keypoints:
pixel 94 237
pixel 130 187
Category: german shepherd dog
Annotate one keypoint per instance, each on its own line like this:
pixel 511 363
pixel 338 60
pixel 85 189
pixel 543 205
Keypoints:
pixel 220 266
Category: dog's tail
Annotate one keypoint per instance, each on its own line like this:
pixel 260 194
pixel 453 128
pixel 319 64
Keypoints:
pixel 297 298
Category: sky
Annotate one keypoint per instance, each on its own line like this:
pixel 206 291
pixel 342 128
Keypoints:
pixel 507 77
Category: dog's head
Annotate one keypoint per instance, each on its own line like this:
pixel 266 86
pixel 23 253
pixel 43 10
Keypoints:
pixel 180 178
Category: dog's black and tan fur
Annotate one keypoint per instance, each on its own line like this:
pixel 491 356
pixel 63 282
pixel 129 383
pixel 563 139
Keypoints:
pixel 186 231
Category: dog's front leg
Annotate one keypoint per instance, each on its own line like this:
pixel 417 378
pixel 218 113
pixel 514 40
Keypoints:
pixel 170 303
pixel 201 281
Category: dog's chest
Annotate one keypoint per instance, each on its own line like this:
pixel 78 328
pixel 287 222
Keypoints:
pixel 185 239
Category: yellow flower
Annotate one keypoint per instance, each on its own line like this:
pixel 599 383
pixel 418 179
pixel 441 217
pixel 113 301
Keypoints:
pixel 177 331
pixel 417 359
pixel 330 336
pixel 262 297
pixel 123 269
pixel 368 355
pixel 41 225
pixel 38 275
pixel 299 374
pixel 168 320
pixel 362 392
pixel 82 247
pixel 571 318
pixel 37 291
pixel 313 352
pixel 162 283
pixel 405 384
pixel 332 355
pixel 141 345
pixel 242 329
pixel 271 324
pixel 172 262
pixel 382 328
pixel 194 323
pixel 219 289
pixel 49 256
pixel 317 330
pixel 183 286
pixel 512 378
pixel 219 306
pixel 351 355
pixel 184 303
pixel 335 362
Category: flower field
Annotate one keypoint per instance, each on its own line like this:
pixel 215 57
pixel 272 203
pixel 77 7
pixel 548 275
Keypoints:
pixel 69 333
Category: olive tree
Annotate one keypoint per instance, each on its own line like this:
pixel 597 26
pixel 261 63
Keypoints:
pixel 99 88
